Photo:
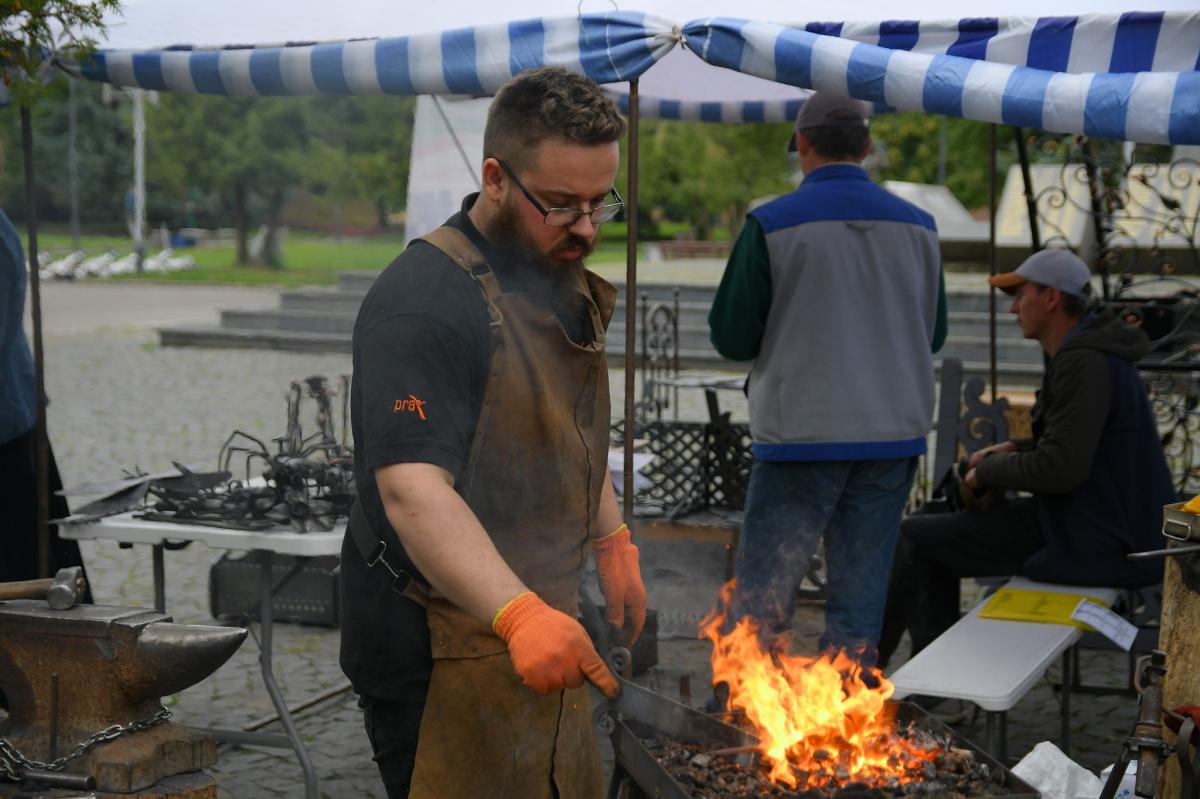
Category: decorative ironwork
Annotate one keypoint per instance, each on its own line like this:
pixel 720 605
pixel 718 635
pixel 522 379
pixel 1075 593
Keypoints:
pixel 696 466
pixel 1144 215
pixel 307 484
pixel 1175 401
pixel 660 357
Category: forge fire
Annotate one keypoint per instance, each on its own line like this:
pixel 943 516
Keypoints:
pixel 824 722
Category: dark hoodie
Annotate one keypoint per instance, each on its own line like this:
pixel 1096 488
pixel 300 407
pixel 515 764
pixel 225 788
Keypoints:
pixel 1095 462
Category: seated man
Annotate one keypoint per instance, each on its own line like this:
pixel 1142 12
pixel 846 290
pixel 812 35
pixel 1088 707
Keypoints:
pixel 1094 466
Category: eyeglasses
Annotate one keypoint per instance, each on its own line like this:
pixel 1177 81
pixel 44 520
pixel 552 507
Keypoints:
pixel 565 217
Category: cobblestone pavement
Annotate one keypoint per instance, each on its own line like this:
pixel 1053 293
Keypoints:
pixel 119 400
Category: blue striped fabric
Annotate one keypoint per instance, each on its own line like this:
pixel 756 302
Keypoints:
pixel 1039 71
pixel 1113 103
pixel 734 111
pixel 611 47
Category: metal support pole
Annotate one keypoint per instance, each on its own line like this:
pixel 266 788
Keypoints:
pixel 1098 224
pixel 73 163
pixel 160 581
pixel 1035 236
pixel 41 441
pixel 992 259
pixel 1068 669
pixel 996 735
pixel 631 214
pixel 264 660
pixel 139 177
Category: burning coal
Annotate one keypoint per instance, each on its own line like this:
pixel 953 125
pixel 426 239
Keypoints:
pixel 824 722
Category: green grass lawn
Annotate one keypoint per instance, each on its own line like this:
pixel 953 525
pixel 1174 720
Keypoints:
pixel 307 259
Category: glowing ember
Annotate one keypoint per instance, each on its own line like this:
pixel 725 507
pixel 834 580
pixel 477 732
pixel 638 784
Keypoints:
pixel 823 721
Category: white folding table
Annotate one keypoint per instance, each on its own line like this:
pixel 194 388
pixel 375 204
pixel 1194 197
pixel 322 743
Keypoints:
pixel 994 663
pixel 265 544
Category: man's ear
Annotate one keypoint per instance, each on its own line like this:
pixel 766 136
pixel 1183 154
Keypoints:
pixel 493 179
pixel 1056 298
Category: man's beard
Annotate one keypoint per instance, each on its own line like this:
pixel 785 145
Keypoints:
pixel 507 236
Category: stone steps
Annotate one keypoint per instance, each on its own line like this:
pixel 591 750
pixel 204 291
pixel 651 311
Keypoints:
pixel 317 319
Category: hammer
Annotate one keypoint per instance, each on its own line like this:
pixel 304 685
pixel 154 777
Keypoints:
pixel 62 591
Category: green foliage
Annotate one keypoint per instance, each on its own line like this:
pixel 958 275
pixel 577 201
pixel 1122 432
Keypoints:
pixel 912 145
pixel 707 174
pixel 105 154
pixel 248 153
pixel 33 32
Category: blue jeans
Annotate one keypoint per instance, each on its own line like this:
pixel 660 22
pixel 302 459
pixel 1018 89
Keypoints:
pixel 790 505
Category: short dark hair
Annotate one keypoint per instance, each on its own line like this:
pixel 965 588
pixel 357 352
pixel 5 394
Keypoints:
pixel 548 103
pixel 841 143
pixel 1074 305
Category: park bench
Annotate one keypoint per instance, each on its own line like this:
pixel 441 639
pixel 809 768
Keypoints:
pixel 985 661
pixel 691 248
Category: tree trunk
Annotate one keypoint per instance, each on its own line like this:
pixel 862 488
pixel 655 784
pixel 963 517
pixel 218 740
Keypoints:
pixel 271 255
pixel 240 224
pixel 381 213
pixel 1179 639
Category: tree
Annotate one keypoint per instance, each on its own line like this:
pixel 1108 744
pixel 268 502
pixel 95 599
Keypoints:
pixel 247 151
pixel 706 174
pixel 32 29
pixel 361 149
pixel 911 139
pixel 104 148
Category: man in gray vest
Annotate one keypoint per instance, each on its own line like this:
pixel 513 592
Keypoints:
pixel 836 292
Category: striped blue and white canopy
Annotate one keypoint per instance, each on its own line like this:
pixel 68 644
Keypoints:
pixel 608 48
pixel 1107 77
pixel 1133 75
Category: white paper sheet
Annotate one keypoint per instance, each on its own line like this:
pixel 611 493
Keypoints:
pixel 1107 623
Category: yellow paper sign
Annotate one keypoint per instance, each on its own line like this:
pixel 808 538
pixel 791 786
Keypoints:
pixel 1045 607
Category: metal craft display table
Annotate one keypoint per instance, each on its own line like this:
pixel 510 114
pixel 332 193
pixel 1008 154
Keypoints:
pixel 126 529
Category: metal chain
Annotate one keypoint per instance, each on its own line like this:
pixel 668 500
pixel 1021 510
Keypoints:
pixel 13 762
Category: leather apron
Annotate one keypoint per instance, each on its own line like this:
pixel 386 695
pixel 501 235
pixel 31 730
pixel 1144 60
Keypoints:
pixel 533 479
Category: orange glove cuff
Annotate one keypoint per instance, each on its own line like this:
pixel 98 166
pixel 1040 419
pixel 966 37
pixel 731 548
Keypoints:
pixel 614 540
pixel 519 610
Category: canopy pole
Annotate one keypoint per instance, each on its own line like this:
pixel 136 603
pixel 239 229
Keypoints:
pixel 992 258
pixel 1035 236
pixel 73 163
pixel 1097 207
pixel 139 178
pixel 631 217
pixel 41 443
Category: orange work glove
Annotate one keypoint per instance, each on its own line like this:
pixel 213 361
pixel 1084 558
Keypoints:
pixel 549 649
pixel 621 580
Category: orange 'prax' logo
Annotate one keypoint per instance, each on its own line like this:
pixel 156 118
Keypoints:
pixel 410 404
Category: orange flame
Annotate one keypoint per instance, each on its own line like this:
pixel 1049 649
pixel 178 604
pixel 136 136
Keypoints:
pixel 823 721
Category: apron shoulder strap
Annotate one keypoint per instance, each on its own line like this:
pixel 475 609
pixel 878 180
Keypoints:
pixel 455 244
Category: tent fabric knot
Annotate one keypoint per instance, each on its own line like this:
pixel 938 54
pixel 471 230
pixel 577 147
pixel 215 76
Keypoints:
pixel 673 37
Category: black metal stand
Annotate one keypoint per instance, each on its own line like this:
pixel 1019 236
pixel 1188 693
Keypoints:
pixel 292 739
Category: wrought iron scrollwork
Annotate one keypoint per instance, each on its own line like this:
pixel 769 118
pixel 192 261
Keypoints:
pixel 660 357
pixel 1144 214
pixel 1175 401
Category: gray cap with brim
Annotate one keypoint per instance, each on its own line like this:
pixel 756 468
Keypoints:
pixel 1061 269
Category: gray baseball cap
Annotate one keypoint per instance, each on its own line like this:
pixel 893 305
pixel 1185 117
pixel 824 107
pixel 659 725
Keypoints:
pixel 822 110
pixel 1062 269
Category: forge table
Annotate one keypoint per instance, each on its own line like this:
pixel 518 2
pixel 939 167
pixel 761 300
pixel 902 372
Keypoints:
pixel 265 544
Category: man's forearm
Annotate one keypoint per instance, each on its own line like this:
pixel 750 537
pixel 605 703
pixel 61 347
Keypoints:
pixel 609 517
pixel 445 540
